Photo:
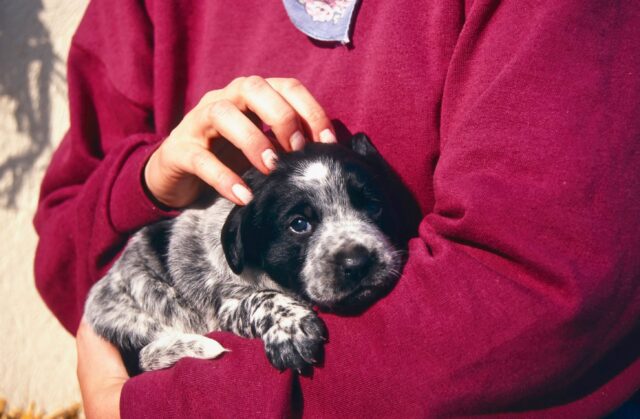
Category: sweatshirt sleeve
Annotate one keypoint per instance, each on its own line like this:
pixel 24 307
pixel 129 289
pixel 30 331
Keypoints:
pixel 92 197
pixel 521 293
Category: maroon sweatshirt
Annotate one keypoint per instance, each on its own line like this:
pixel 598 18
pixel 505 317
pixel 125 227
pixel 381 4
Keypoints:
pixel 515 124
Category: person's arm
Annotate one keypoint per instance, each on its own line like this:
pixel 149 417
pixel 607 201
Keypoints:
pixel 521 291
pixel 521 288
pixel 101 374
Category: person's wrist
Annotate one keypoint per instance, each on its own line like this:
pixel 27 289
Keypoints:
pixel 149 190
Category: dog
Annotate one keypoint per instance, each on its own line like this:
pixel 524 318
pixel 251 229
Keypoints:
pixel 324 229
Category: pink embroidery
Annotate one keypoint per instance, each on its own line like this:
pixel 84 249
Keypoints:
pixel 326 10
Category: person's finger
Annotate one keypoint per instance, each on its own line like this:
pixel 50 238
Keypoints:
pixel 206 166
pixel 223 119
pixel 259 97
pixel 307 107
pixel 232 124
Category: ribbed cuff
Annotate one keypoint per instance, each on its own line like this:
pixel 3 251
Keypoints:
pixel 130 206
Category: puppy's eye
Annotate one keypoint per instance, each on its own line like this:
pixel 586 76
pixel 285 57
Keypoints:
pixel 300 225
pixel 373 208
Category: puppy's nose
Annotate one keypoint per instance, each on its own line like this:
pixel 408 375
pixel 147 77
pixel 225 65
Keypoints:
pixel 355 262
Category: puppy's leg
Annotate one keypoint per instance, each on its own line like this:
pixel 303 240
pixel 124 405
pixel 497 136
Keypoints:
pixel 136 300
pixel 115 315
pixel 172 346
pixel 293 334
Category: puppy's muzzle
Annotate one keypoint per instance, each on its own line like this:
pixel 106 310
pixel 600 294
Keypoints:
pixel 354 264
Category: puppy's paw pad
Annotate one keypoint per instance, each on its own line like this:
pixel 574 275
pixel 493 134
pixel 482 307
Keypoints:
pixel 296 345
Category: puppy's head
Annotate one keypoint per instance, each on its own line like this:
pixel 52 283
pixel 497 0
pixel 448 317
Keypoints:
pixel 324 224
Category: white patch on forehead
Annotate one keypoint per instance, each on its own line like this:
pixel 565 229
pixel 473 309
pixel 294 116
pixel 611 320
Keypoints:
pixel 322 183
pixel 316 171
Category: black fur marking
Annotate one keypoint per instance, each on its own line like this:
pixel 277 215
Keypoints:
pixel 158 236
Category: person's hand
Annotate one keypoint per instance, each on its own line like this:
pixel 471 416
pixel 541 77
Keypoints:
pixel 101 374
pixel 184 163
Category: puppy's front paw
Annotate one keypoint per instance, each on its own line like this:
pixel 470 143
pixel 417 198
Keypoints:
pixel 295 341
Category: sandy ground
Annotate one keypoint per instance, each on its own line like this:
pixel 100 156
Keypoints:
pixel 37 356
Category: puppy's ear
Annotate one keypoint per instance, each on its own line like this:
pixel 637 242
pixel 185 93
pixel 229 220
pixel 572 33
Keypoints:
pixel 231 239
pixel 361 144
pixel 397 191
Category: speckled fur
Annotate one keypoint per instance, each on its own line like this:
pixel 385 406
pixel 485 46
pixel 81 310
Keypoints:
pixel 244 270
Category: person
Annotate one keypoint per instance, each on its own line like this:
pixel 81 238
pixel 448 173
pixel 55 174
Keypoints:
pixel 515 125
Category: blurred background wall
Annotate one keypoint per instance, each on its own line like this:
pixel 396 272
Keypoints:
pixel 37 357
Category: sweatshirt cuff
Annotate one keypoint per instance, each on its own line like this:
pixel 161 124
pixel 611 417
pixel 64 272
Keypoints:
pixel 240 383
pixel 130 206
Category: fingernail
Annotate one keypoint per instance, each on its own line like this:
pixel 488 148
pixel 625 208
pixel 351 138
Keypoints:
pixel 326 136
pixel 269 158
pixel 297 141
pixel 242 193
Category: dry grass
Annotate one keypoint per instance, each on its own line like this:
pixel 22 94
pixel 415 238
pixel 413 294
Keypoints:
pixel 7 412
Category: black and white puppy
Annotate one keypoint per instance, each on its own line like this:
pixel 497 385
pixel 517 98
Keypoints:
pixel 324 229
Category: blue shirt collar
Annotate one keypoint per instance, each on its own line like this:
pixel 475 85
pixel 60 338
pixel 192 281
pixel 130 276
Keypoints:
pixel 324 20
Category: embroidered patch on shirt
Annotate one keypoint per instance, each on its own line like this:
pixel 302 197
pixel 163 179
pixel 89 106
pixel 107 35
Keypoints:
pixel 324 20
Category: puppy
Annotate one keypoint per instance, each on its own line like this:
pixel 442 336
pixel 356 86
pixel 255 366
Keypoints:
pixel 322 229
